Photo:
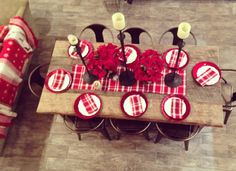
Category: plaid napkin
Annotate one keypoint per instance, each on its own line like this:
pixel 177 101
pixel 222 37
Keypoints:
pixel 114 85
pixel 82 45
pixel 173 58
pixel 176 108
pixel 128 52
pixel 58 79
pixel 89 103
pixel 136 104
pixel 206 76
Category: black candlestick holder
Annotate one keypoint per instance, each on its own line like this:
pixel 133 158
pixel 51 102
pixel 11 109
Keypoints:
pixel 88 76
pixel 173 79
pixel 126 77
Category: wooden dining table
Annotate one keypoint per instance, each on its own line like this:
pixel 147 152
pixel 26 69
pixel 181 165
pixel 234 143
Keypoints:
pixel 205 102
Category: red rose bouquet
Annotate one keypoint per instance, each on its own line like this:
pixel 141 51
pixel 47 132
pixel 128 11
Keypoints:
pixel 150 66
pixel 103 61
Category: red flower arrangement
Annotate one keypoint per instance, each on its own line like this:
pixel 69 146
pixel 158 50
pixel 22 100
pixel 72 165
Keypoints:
pixel 103 61
pixel 150 66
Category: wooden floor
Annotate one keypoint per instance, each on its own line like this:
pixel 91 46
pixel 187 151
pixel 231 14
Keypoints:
pixel 41 143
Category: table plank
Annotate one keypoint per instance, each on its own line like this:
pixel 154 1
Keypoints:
pixel 206 103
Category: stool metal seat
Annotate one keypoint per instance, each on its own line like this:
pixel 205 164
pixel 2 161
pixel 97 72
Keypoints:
pixel 130 127
pixel 177 132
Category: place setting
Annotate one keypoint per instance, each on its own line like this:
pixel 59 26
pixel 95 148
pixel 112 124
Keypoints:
pixel 134 104
pixel 170 58
pixel 58 81
pixel 175 107
pixel 206 73
pixel 87 105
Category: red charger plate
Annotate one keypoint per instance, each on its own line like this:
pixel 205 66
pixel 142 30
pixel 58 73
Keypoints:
pixel 187 105
pixel 122 103
pixel 70 49
pixel 169 50
pixel 205 64
pixel 82 113
pixel 67 81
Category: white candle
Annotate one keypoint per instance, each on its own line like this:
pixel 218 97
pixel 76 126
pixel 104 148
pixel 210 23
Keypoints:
pixel 118 20
pixel 183 30
pixel 73 40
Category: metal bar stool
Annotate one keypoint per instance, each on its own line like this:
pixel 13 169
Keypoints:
pixel 80 126
pixel 177 132
pixel 37 78
pixel 228 95
pixel 130 127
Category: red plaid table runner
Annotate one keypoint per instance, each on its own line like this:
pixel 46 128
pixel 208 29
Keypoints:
pixel 173 58
pixel 206 76
pixel 82 46
pixel 58 79
pixel 89 103
pixel 112 85
pixel 136 104
pixel 176 108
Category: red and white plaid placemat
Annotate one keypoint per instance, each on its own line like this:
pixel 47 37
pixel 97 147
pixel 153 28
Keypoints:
pixel 206 76
pixel 176 108
pixel 112 85
pixel 136 104
pixel 89 104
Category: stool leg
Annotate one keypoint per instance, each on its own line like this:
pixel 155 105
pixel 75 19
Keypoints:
pixel 186 144
pixel 118 136
pixel 79 136
pixel 105 132
pixel 146 135
pixel 75 121
pixel 157 138
pixel 227 114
